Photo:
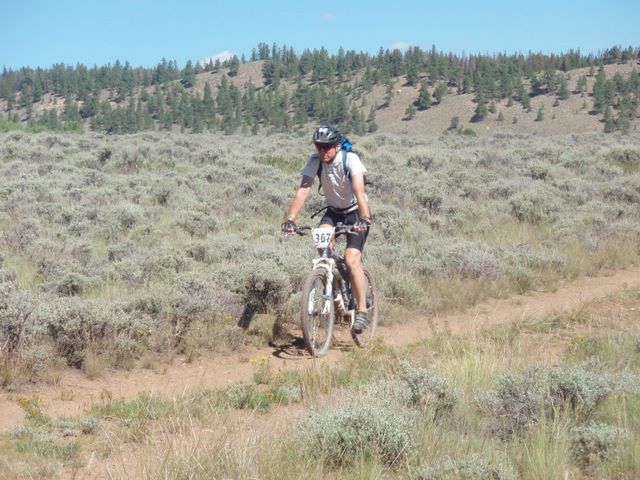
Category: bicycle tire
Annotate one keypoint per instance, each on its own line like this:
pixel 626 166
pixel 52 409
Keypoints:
pixel 317 327
pixel 373 313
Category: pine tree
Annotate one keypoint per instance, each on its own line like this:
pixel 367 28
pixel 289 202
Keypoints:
pixel 372 126
pixel 410 112
pixel 563 89
pixel 599 95
pixel 581 85
pixel 526 101
pixel 189 75
pixel 234 66
pixel 424 97
pixel 389 94
pixel 52 119
pixel 208 107
pixel 439 92
pixel 412 75
pixel 481 108
pixel 609 122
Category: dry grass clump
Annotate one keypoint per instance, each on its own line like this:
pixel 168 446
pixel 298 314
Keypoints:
pixel 121 245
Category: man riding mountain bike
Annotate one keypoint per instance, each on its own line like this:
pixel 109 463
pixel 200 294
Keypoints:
pixel 342 180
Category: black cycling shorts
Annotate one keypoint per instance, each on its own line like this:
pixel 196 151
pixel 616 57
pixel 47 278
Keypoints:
pixel 354 239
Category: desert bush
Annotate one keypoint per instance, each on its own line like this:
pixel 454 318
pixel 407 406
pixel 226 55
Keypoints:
pixel 250 397
pixel 197 223
pixel 522 399
pixel 22 235
pixel 593 441
pixel 7 275
pixel 582 387
pixel 16 326
pixel 516 402
pixel 625 190
pixel 474 261
pixel 123 218
pixel 119 251
pixel 626 157
pixel 426 389
pixel 422 160
pixel 267 286
pixel 47 445
pixel 356 428
pixel 72 283
pixel 535 205
pixel 75 325
pixel 431 197
pixel 380 419
pixel 196 300
pixel 538 170
pixel 473 467
pixel 128 161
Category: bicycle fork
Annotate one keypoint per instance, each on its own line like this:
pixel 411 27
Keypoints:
pixel 327 295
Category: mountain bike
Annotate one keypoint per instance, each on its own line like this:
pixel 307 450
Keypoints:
pixel 327 297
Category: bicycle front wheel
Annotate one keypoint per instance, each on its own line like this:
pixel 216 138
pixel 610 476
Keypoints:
pixel 317 314
pixel 365 337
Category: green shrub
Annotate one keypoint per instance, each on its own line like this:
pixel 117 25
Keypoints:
pixel 627 157
pixel 473 467
pixel 468 132
pixel 535 205
pixel 46 444
pixel 361 429
pixel 196 223
pixel 250 397
pixel 426 389
pixel 522 399
pixel 474 261
pixel 594 441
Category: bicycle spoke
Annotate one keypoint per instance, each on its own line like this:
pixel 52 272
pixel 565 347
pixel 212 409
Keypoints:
pixel 317 318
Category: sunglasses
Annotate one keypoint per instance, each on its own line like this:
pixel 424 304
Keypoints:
pixel 324 147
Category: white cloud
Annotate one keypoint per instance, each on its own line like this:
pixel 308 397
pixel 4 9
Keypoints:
pixel 222 56
pixel 328 17
pixel 402 46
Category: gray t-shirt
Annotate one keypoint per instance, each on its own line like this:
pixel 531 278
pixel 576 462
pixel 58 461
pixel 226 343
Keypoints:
pixel 337 187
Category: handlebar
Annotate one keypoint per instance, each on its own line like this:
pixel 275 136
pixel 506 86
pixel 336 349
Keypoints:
pixel 339 228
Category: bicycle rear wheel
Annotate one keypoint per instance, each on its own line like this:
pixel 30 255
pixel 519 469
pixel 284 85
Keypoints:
pixel 317 314
pixel 365 337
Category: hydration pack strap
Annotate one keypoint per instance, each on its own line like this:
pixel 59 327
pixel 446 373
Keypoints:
pixel 345 167
pixel 337 210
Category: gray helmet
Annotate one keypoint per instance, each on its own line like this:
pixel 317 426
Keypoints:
pixel 327 134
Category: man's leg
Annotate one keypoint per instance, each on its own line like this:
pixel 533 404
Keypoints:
pixel 353 259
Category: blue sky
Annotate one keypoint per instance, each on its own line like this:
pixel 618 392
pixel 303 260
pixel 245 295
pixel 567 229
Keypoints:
pixel 43 32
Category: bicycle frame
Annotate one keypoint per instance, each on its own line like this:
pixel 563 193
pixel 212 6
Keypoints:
pixel 328 260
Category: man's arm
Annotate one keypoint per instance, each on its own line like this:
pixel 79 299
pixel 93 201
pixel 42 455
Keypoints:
pixel 299 198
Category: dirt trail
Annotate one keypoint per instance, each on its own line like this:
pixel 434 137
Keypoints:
pixel 75 392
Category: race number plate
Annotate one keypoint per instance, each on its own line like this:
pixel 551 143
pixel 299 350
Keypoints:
pixel 322 236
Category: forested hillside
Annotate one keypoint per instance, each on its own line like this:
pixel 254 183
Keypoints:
pixel 279 90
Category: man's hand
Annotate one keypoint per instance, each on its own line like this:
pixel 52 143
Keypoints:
pixel 288 226
pixel 362 225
